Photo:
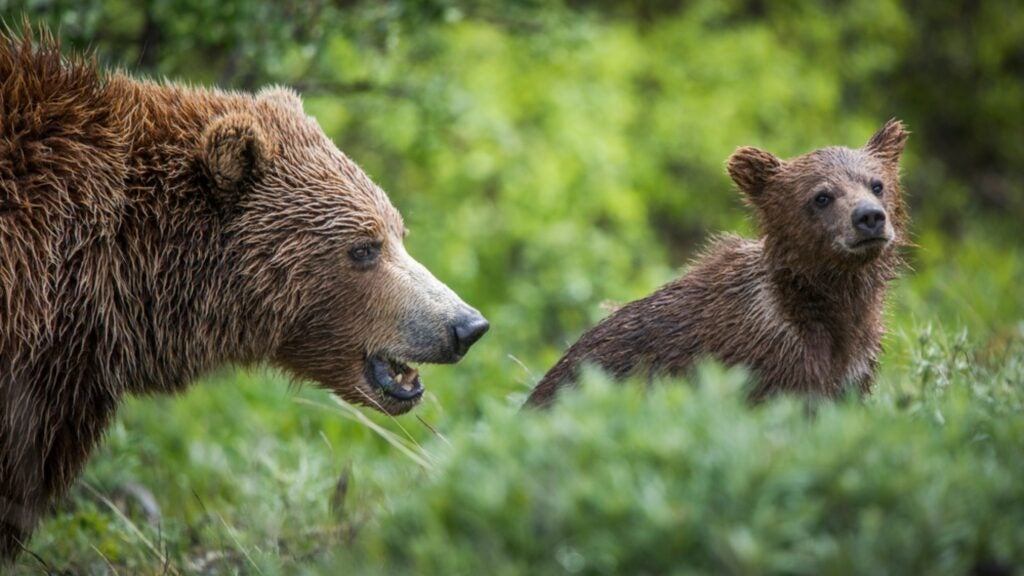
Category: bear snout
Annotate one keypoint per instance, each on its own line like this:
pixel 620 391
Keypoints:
pixel 869 220
pixel 467 329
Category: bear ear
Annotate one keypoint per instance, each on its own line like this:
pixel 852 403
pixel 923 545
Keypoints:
pixel 887 144
pixel 234 150
pixel 281 96
pixel 752 168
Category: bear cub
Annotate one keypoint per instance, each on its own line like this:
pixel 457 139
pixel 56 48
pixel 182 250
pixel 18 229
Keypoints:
pixel 801 307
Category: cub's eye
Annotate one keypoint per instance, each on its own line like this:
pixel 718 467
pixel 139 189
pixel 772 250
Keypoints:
pixel 365 254
pixel 822 199
pixel 876 188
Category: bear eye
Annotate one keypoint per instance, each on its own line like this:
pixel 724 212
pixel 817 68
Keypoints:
pixel 365 254
pixel 876 188
pixel 822 199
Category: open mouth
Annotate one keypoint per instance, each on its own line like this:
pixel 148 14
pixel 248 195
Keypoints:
pixel 393 377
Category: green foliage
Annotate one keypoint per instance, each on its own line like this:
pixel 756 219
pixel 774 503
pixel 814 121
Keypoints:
pixel 548 157
pixel 689 479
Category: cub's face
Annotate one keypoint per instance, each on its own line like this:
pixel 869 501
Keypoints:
pixel 834 207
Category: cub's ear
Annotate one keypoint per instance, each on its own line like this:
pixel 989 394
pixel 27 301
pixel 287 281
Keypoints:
pixel 234 150
pixel 887 144
pixel 752 168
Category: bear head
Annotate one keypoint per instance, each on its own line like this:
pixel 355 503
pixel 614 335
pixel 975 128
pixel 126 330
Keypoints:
pixel 835 208
pixel 317 242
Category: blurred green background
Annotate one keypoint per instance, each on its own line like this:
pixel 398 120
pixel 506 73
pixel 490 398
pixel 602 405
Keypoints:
pixel 548 157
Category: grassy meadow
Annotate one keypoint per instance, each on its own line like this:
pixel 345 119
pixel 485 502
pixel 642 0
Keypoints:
pixel 548 159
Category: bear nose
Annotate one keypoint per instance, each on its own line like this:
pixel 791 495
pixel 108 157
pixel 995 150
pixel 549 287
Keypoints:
pixel 468 330
pixel 869 218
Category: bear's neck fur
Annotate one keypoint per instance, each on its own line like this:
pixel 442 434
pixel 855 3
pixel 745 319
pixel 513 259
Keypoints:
pixel 830 293
pixel 840 306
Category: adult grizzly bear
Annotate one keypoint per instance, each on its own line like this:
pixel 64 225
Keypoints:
pixel 150 233
pixel 801 307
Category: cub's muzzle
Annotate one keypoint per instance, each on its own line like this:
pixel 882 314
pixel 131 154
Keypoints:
pixel 869 221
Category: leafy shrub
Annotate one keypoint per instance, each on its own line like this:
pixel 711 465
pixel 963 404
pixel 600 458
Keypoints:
pixel 689 479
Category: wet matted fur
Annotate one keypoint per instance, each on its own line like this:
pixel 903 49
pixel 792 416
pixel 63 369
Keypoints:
pixel 151 232
pixel 801 306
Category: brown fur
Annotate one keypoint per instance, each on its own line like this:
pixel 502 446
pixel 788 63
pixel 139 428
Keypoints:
pixel 798 306
pixel 150 233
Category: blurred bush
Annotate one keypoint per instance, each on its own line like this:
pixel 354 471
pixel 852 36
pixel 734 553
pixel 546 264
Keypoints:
pixel 549 156
pixel 690 480
pixel 792 74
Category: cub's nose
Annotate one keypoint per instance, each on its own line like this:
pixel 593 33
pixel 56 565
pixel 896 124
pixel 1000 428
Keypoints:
pixel 468 329
pixel 869 219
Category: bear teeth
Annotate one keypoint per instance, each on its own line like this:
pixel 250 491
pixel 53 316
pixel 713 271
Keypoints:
pixel 396 367
pixel 394 377
pixel 410 379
